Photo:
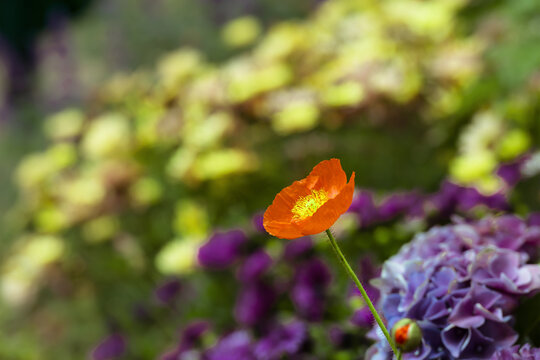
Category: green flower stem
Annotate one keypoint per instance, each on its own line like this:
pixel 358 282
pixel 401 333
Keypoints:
pixel 354 278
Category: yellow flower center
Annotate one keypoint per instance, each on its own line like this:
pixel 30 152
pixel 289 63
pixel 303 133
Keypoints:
pixel 308 205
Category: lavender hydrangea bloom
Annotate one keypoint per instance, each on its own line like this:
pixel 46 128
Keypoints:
pixel 461 284
pixel 222 249
pixel 526 352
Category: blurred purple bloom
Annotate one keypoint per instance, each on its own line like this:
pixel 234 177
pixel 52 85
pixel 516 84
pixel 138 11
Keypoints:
pixel 309 289
pixel 281 341
pixel 314 273
pixel 526 352
pixel 235 346
pixel 222 249
pixel 192 333
pixel 368 271
pixel 257 221
pixel 471 197
pixel 254 303
pixel 510 172
pixel 363 317
pixel 111 347
pixel 451 198
pixel 167 291
pixel 446 199
pixel 297 247
pixel 364 206
pixel 534 219
pixel 400 204
pixel 254 266
pixel 336 335
pixel 190 336
pixel 461 283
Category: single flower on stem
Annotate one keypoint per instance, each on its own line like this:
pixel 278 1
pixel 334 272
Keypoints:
pixel 312 205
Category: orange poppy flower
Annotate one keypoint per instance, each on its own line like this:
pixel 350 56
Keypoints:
pixel 311 205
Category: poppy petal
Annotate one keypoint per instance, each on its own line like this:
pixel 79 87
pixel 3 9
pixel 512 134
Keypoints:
pixel 283 230
pixel 277 218
pixel 330 177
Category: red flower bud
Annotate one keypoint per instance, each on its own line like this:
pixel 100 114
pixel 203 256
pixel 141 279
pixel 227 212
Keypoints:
pixel 407 335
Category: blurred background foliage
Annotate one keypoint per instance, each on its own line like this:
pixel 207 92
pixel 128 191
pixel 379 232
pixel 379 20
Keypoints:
pixel 132 130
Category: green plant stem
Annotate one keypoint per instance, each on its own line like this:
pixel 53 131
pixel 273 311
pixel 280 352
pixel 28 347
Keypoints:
pixel 354 278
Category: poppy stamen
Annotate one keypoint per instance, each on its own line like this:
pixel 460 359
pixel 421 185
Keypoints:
pixel 306 206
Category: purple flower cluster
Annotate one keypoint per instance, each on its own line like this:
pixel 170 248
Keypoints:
pixel 526 352
pixel 461 284
pixel 280 340
pixel 262 334
pixel 449 200
pixel 257 295
pixel 222 249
